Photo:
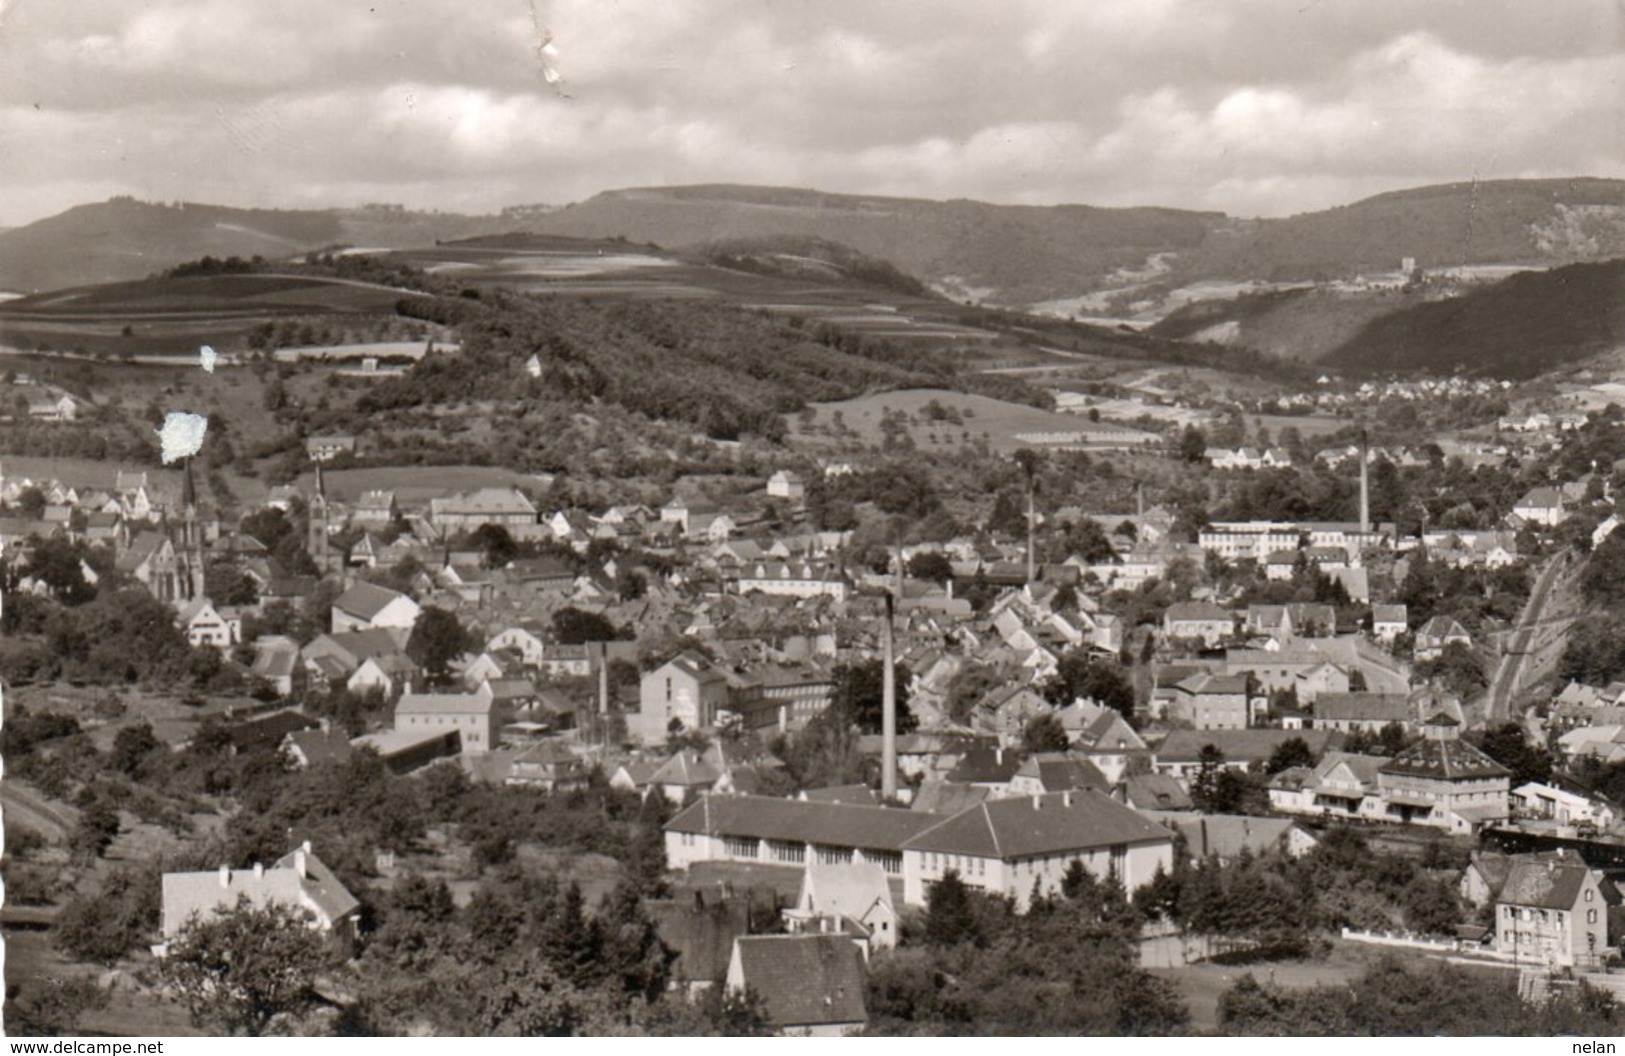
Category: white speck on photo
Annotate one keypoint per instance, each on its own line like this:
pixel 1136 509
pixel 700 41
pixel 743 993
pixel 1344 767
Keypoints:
pixel 209 357
pixel 182 435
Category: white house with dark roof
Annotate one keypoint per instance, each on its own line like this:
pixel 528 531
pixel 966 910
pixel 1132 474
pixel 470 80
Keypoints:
pixel 1010 846
pixel 809 985
pixel 299 880
pixel 1553 911
pixel 1444 782
pixel 850 897
pixel 365 606
pixel 471 715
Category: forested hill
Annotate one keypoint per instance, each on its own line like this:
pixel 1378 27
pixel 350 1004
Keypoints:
pixel 726 371
pixel 1517 328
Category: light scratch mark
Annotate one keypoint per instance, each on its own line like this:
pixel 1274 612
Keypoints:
pixel 546 53
pixel 182 435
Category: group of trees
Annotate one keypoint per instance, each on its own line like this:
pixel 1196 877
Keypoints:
pixel 1068 965
pixel 1399 998
pixel 1279 901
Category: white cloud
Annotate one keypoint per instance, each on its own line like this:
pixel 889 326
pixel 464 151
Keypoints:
pixel 1250 105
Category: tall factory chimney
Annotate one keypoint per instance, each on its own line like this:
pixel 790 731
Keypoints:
pixel 1032 528
pixel 1365 483
pixel 888 709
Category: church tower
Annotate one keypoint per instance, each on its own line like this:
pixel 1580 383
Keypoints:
pixel 318 544
pixel 189 547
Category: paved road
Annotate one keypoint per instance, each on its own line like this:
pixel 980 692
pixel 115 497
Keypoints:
pixel 1509 671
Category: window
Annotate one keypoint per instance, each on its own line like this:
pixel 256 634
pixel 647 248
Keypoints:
pixel 1589 893
pixel 1591 914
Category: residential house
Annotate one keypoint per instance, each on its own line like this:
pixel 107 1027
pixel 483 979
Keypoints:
pixel 1180 753
pixel 300 881
pixel 325 744
pixel 549 765
pixel 504 507
pixel 366 606
pixel 375 509
pixel 1438 634
pixel 1298 619
pixel 471 715
pixel 793 579
pixel 809 985
pixel 1197 621
pixel 1543 506
pixel 786 484
pixel 1388 622
pixel 1363 712
pixel 204 624
pixel 1534 799
pixel 1229 836
pixel 1111 744
pixel 1341 785
pixel 1057 772
pixel 1554 912
pixel 858 892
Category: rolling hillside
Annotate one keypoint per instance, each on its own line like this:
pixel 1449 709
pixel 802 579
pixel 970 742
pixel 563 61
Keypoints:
pixel 123 239
pixel 1517 328
pixel 1023 255
pixel 1006 254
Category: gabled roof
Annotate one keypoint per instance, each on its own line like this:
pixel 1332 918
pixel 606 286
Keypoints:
pixel 1028 826
pixel 365 600
pixel 1363 707
pixel 1060 772
pixel 478 702
pixel 687 769
pixel 1250 745
pixel 948 797
pixel 1155 792
pixel 800 821
pixel 846 889
pixel 1227 835
pixel 185 894
pixel 805 980
pixel 1548 884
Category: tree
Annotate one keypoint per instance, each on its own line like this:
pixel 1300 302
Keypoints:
pixel 1044 733
pixel 244 967
pixel 931 565
pixel 1205 785
pixel 950 919
pixel 59 564
pixel 1508 745
pixel 859 693
pixel 1081 675
pixel 1457 670
pixel 438 638
pixel 498 545
pixel 1289 753
pixel 1192 445
pixel 131 746
pixel 573 626
pixel 96 829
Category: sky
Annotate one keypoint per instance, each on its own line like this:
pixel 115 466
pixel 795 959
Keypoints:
pixel 1253 107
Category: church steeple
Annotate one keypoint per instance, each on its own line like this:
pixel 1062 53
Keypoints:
pixel 318 543
pixel 189 553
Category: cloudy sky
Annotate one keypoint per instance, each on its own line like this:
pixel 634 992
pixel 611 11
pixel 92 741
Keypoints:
pixel 1255 107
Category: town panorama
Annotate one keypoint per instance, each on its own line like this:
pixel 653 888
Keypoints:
pixel 786 568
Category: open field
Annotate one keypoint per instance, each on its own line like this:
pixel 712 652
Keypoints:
pixel 413 483
pixel 1201 985
pixel 133 1010
pixel 1004 424
pixel 174 316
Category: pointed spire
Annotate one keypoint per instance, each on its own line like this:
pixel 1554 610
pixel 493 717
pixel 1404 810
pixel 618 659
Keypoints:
pixel 188 488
